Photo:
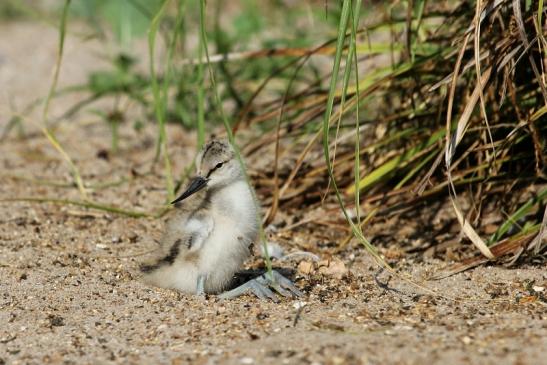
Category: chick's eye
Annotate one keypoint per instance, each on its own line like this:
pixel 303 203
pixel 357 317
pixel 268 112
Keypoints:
pixel 219 165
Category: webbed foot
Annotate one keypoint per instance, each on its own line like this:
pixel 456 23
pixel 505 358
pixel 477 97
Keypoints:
pixel 260 286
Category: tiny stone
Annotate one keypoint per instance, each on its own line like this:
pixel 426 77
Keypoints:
pixel 299 304
pixel 305 267
pixel 56 321
pixel 466 340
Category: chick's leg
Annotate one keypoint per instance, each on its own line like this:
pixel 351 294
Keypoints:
pixel 261 285
pixel 200 286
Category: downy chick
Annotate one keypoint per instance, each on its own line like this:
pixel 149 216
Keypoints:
pixel 209 235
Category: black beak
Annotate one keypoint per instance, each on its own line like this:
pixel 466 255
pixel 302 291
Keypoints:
pixel 196 185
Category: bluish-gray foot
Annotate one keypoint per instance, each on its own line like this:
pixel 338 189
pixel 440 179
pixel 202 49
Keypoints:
pixel 261 285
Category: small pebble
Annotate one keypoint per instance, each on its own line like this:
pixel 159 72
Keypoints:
pixel 247 360
pixel 299 304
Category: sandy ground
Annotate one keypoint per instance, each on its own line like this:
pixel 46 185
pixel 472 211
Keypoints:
pixel 70 292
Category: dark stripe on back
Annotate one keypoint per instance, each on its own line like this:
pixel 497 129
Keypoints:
pixel 173 253
pixel 167 260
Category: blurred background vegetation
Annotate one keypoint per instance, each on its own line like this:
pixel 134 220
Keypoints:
pixel 355 100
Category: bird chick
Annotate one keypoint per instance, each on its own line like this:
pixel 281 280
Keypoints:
pixel 211 230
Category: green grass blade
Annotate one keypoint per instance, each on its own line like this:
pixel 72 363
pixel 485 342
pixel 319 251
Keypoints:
pixel 62 34
pixel 45 129
pixel 201 96
pixel 357 149
pixel 85 204
pixel 515 217
pixel 540 13
pixel 160 98
pixel 416 169
pixel 344 17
